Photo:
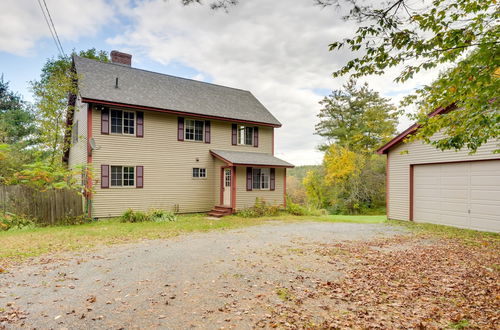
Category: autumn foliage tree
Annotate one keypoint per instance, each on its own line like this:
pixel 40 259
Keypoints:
pixel 57 81
pixel 422 36
pixel 354 121
pixel 357 118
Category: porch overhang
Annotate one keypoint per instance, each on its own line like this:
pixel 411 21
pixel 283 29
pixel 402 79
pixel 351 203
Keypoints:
pixel 243 158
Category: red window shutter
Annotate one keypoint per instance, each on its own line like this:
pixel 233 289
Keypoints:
pixel 249 178
pixel 234 134
pixel 272 183
pixel 140 124
pixel 256 137
pixel 207 131
pixel 104 176
pixel 139 176
pixel 105 121
pixel 180 129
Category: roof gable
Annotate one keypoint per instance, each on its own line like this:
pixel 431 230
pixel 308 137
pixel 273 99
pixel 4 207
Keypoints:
pixel 97 81
pixel 412 129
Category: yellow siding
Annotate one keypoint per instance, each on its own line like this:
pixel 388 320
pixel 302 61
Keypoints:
pixel 78 151
pixel 167 165
pixel 400 158
pixel 246 198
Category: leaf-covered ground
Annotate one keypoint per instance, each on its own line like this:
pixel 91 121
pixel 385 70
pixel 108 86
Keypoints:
pixel 277 275
pixel 402 282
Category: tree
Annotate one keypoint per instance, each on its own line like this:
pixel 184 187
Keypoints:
pixel 422 36
pixel 316 191
pixel 419 36
pixel 16 117
pixel 356 118
pixel 57 82
pixel 17 132
pixel 356 181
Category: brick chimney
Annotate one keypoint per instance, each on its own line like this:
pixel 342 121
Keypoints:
pixel 121 58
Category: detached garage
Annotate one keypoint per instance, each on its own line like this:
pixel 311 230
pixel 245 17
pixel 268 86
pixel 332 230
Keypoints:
pixel 450 188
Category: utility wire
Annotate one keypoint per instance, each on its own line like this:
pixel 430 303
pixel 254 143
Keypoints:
pixel 52 28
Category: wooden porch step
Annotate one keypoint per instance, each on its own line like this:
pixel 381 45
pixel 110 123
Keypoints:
pixel 223 208
pixel 220 211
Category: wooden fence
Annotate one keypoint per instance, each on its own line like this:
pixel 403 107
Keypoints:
pixel 49 207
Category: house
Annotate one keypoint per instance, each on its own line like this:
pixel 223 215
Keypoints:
pixel 159 141
pixel 448 187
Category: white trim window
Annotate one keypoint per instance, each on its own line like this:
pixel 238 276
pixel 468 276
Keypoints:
pixel 122 122
pixel 193 130
pixel 261 178
pixel 245 135
pixel 199 173
pixel 122 176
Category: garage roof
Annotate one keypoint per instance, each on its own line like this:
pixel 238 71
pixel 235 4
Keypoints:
pixel 412 129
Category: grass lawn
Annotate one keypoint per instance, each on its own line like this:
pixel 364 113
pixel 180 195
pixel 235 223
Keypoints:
pixel 467 236
pixel 18 245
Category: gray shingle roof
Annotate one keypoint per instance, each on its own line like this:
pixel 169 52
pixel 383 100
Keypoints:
pixel 155 90
pixel 250 158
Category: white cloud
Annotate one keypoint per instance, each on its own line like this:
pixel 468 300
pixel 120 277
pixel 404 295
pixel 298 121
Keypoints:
pixel 276 49
pixel 272 48
pixel 22 22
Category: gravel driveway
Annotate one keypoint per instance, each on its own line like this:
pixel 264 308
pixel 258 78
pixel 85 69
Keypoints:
pixel 209 280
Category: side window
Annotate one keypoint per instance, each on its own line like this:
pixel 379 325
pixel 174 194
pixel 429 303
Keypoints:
pixel 245 135
pixel 122 122
pixel 193 130
pixel 261 178
pixel 199 173
pixel 122 176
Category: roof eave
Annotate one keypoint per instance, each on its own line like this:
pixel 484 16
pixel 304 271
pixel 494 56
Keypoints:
pixel 229 163
pixel 177 112
pixel 412 129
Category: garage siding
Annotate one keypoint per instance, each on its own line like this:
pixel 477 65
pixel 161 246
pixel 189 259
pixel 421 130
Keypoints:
pixel 465 194
pixel 401 156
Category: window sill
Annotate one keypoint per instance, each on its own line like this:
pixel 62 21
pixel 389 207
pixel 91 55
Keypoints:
pixel 199 178
pixel 122 187
pixel 124 134
pixel 185 140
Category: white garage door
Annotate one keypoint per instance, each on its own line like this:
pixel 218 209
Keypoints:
pixel 465 195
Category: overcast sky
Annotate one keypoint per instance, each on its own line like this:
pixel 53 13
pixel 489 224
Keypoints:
pixel 276 49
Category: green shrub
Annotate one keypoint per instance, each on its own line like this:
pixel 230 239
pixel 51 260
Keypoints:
pixel 10 221
pixel 133 216
pixel 78 220
pixel 301 210
pixel 260 209
pixel 296 209
pixel 155 215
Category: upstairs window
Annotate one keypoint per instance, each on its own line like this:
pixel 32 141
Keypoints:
pixel 199 173
pixel 123 122
pixel 260 178
pixel 193 130
pixel 245 135
pixel 122 176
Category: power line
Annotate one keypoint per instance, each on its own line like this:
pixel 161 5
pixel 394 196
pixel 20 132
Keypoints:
pixel 52 28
